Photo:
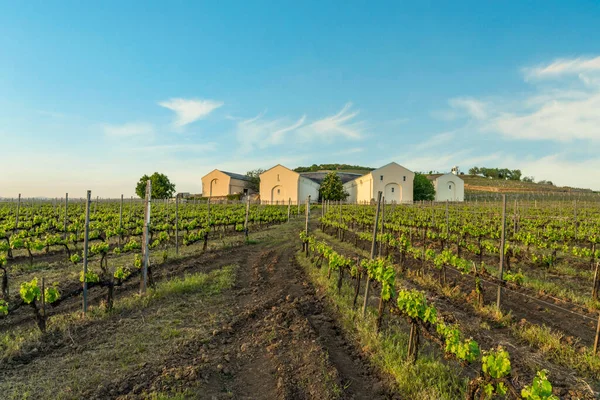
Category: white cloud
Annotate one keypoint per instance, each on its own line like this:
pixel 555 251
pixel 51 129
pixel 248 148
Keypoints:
pixel 354 150
pixel 262 133
pixel 564 172
pixel 558 111
pixel 473 107
pixel 557 120
pixel 435 141
pixel 190 110
pixel 444 161
pixel 564 66
pixel 176 148
pixel 129 129
pixel 340 124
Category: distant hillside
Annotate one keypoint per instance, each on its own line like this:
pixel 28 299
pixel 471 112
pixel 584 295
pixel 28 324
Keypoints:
pixel 475 183
pixel 335 167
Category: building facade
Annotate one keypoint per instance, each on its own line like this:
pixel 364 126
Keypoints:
pixel 393 180
pixel 448 187
pixel 221 183
pixel 280 185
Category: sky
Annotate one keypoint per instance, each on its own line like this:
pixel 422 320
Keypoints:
pixel 93 95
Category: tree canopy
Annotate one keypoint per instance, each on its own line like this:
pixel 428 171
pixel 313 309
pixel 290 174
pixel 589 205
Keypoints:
pixel 332 188
pixel 254 176
pixel 423 188
pixel 497 173
pixel 333 167
pixel 162 188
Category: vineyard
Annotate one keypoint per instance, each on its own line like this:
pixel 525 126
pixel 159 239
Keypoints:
pixel 484 299
pixel 531 270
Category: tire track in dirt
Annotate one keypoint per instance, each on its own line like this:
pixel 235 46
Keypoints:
pixel 278 342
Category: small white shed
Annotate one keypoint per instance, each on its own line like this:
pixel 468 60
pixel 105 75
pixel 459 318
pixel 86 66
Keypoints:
pixel 448 187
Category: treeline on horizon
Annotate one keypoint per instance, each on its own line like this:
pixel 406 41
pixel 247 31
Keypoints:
pixel 504 173
pixel 333 167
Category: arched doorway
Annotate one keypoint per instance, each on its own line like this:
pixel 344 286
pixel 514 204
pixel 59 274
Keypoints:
pixel 393 193
pixel 451 191
pixel 277 194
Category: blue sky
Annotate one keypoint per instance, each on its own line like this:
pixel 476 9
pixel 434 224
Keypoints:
pixel 92 96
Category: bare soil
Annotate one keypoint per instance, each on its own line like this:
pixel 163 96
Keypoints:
pixel 267 337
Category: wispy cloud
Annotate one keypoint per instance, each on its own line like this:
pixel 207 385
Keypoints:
pixel 176 148
pixel 129 129
pixel 261 132
pixel 435 141
pixel 190 110
pixel 556 111
pixel 473 107
pixel 563 66
pixel 346 152
pixel 444 161
pixel 341 124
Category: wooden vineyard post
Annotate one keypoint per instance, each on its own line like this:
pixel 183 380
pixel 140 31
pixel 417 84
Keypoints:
pixel 373 244
pixel 515 217
pixel 306 214
pixel 447 220
pixel 66 213
pixel 340 232
pixel 597 338
pixel 575 216
pixel 43 299
pixel 18 211
pixel 86 237
pixel 177 224
pixel 306 223
pixel 289 208
pixel 382 222
pixel 145 250
pixel 595 287
pixel 246 220
pixel 298 204
pixel 502 242
pixel 120 220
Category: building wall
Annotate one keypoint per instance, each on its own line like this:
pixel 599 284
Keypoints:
pixel 307 187
pixel 393 176
pixel 220 184
pixel 359 189
pixel 449 187
pixel 238 186
pixel 279 184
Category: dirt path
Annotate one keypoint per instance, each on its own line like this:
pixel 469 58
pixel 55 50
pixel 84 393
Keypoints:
pixel 268 337
pixel 277 341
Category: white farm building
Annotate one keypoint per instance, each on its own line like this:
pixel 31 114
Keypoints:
pixel 448 187
pixel 221 183
pixel 393 180
pixel 280 185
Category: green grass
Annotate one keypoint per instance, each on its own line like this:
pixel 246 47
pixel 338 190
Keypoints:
pixel 428 378
pixel 550 343
pixel 12 343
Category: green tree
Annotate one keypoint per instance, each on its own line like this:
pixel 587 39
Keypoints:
pixel 332 188
pixel 423 188
pixel 162 188
pixel 254 176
